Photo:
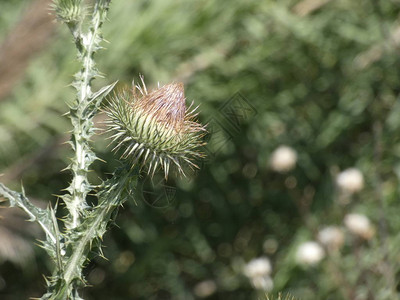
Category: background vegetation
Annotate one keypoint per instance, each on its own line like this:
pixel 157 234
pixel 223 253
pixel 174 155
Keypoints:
pixel 320 76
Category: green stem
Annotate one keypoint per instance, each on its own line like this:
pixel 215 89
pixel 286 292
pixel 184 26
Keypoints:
pixel 110 197
pixel 81 114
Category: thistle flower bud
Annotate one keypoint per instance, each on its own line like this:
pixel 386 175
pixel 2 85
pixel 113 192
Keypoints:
pixel 155 128
pixel 68 11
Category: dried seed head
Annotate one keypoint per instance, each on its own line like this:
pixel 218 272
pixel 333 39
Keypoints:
pixel 360 225
pixel 350 180
pixel 283 159
pixel 155 128
pixel 332 237
pixel 309 253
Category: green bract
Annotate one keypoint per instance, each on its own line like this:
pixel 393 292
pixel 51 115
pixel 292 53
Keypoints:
pixel 154 128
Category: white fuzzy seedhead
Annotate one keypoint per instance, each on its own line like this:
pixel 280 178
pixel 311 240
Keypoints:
pixel 331 237
pixel 283 159
pixel 258 267
pixel 359 225
pixel 262 283
pixel 350 180
pixel 309 253
pixel 205 288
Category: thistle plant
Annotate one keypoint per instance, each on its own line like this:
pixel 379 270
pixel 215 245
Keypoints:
pixel 152 130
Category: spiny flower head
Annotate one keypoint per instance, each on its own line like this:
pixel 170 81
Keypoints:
pixel 69 11
pixel 154 128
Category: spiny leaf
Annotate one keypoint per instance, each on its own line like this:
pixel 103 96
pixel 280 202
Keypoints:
pixel 42 216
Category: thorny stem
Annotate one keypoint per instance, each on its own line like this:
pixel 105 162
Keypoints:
pixel 111 196
pixel 82 114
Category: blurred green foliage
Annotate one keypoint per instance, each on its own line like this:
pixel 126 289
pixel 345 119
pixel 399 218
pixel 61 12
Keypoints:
pixel 265 73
